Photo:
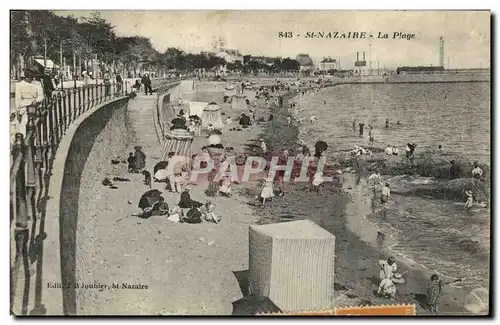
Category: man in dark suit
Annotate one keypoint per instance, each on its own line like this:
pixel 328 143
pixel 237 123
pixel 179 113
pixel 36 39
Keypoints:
pixel 146 81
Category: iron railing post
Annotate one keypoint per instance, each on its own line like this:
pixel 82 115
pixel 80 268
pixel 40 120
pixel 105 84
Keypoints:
pixel 30 159
pixel 75 111
pixel 18 149
pixel 50 114
pixel 80 100
pixel 65 112
pixel 45 136
pixel 59 118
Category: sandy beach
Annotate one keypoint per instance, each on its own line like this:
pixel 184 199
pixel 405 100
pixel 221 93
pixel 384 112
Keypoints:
pixel 199 269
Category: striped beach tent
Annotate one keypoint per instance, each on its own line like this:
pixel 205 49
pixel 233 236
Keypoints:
pixel 292 263
pixel 229 90
pixel 211 115
pixel 178 141
pixel 196 109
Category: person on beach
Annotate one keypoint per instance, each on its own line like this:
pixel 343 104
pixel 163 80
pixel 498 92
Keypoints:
pixel 361 128
pixel 470 200
pixel 388 150
pixel 354 126
pixel 140 159
pixel 371 134
pixel 410 150
pixel 387 123
pixel 174 214
pixel 263 146
pixel 207 211
pixel 131 162
pixel 318 182
pixel 289 120
pixel 271 118
pixel 454 170
pixel 374 179
pixel 395 151
pixel 193 216
pixel 440 148
pixel 226 180
pixel 27 93
pixel 386 195
pixel 387 270
pixel 170 174
pixel 185 201
pixel 267 192
pixel 435 292
pixel 477 172
pixel 280 174
pixel 312 119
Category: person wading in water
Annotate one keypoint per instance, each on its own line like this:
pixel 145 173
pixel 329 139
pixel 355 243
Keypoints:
pixel 361 128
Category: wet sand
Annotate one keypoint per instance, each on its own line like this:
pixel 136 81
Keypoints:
pixel 358 248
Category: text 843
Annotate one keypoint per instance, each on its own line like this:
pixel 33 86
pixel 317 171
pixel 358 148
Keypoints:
pixel 285 34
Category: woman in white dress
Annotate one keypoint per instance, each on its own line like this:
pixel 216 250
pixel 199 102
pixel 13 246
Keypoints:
pixel 318 182
pixel 267 192
pixel 470 200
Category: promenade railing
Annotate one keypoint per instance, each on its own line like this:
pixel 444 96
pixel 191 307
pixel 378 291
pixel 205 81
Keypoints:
pixel 32 156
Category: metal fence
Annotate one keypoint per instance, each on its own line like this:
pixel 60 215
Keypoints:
pixel 33 154
pixel 32 157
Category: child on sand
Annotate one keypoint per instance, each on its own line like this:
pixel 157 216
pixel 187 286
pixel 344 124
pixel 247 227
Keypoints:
pixel 263 146
pixel 267 192
pixel 131 162
pixel 470 200
pixel 386 194
pixel 318 182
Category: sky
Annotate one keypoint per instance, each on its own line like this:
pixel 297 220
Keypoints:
pixel 466 34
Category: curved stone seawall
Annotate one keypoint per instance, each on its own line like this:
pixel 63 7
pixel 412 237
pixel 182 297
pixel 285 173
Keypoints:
pixel 166 112
pixel 60 262
pixel 204 86
pixel 458 77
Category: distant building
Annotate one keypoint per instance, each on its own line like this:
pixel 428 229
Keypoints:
pixel 328 64
pixel 230 55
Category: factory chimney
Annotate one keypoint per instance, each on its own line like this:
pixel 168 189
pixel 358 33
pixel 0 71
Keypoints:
pixel 364 56
pixel 441 52
pixel 357 56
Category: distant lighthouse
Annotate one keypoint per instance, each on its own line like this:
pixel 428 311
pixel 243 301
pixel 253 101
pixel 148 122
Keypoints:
pixel 441 52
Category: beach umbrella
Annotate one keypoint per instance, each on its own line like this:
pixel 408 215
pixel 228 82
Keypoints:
pixel 213 140
pixel 212 107
pixel 321 146
pixel 149 198
pixel 160 165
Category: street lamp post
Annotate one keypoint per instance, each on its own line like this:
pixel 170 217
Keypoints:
pixel 61 66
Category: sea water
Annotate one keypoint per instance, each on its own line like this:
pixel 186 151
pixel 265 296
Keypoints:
pixel 437 234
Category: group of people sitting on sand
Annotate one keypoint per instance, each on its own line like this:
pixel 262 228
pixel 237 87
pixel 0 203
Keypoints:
pixel 186 210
